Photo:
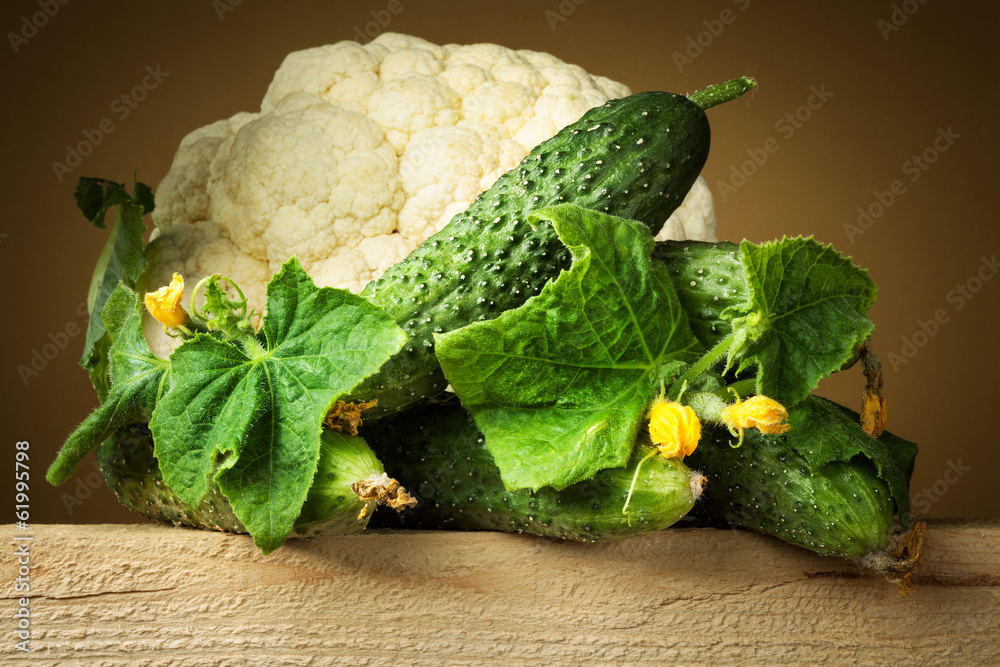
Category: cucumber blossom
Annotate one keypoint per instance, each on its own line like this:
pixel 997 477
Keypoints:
pixel 331 507
pixel 634 157
pixel 437 451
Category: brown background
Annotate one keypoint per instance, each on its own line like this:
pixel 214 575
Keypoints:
pixel 889 94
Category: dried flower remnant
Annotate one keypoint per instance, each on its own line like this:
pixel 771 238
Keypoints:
pixel 345 417
pixel 383 490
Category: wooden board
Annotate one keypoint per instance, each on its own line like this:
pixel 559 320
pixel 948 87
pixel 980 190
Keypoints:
pixel 157 595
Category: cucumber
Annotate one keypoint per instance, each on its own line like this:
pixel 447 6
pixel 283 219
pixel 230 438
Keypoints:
pixel 825 485
pixel 840 500
pixel 634 157
pixel 331 507
pixel 843 509
pixel 708 277
pixel 437 451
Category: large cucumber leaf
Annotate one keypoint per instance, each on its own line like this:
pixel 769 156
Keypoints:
pixel 559 386
pixel 805 316
pixel 792 311
pixel 250 412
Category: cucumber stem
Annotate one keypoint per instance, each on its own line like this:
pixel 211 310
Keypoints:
pixel 631 488
pixel 703 364
pixel 722 92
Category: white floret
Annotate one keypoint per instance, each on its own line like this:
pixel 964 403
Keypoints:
pixel 694 219
pixel 358 154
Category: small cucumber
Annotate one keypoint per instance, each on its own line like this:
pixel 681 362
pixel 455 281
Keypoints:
pixel 634 157
pixel 331 507
pixel 439 453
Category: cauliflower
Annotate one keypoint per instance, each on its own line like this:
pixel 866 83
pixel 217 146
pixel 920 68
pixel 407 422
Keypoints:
pixel 357 155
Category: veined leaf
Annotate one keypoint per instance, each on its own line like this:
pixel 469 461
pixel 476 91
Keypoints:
pixel 559 385
pixel 805 316
pixel 255 406
pixel 121 261
pixel 138 378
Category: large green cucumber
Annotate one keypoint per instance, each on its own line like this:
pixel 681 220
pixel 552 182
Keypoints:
pixel 634 157
pixel 438 453
pixel 825 485
pixel 331 507
pixel 843 509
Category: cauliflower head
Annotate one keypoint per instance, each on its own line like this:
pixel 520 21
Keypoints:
pixel 357 155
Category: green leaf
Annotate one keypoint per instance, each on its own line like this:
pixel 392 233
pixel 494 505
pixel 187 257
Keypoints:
pixel 823 431
pixel 255 406
pixel 137 379
pixel 122 259
pixel 559 386
pixel 805 316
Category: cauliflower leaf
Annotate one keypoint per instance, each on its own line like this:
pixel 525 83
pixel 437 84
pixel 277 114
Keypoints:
pixel 122 260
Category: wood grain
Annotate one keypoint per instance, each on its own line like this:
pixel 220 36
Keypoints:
pixel 157 595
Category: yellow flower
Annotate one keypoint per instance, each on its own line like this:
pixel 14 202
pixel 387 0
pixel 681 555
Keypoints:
pixel 759 412
pixel 674 429
pixel 165 303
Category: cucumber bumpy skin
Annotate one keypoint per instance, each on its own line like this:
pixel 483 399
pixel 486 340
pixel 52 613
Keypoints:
pixel 438 451
pixel 634 157
pixel 331 507
pixel 843 509
pixel 708 277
